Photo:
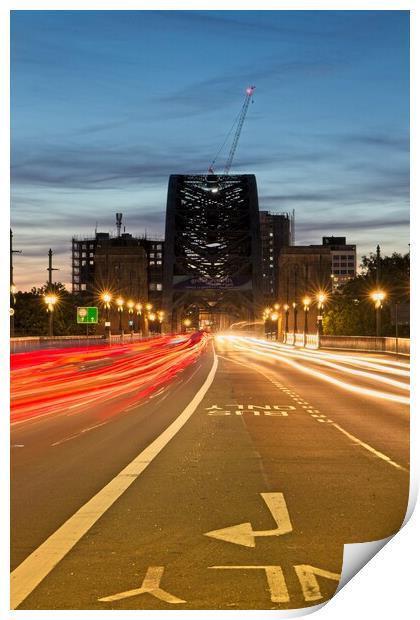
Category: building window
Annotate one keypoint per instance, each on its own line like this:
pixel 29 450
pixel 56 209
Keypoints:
pixel 152 262
pixel 158 286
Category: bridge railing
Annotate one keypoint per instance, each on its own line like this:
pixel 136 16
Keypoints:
pixel 383 344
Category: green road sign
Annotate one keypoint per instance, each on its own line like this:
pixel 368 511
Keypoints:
pixel 87 315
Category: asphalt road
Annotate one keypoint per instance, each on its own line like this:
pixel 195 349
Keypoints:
pixel 283 460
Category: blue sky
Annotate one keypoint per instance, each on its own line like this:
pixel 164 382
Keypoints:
pixel 106 104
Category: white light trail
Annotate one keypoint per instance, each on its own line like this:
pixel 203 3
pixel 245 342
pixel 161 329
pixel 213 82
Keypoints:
pixel 253 347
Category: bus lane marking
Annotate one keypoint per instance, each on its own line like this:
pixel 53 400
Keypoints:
pixel 243 534
pixel 275 579
pixel 150 585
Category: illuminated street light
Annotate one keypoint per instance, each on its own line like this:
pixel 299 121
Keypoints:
pixel 50 300
pixel 120 307
pixel 149 307
pixel 378 297
pixel 130 306
pixel 152 316
pixel 286 309
pixel 321 298
pixel 295 313
pixel 106 299
pixel 306 302
pixel 187 322
pixel 274 316
pixel 139 308
pixel 276 306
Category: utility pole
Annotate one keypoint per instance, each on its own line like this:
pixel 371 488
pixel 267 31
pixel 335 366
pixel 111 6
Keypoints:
pixel 12 287
pixel 50 268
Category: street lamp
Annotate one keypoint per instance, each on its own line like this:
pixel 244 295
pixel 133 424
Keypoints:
pixel 50 300
pixel 286 321
pixel 295 313
pixel 12 309
pixel 321 298
pixel 378 297
pixel 187 323
pixel 306 302
pixel 120 307
pixel 138 312
pixel 161 316
pixel 106 300
pixel 130 306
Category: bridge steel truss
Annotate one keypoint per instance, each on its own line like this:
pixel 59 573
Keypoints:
pixel 212 248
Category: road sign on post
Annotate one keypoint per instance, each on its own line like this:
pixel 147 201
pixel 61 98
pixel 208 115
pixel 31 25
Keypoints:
pixel 87 315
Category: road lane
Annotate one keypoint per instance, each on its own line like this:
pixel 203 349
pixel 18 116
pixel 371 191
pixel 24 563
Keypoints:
pixel 380 423
pixel 252 435
pixel 50 482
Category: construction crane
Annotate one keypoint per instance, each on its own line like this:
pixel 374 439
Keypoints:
pixel 240 121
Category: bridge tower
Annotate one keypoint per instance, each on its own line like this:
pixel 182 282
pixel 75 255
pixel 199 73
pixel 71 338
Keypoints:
pixel 212 264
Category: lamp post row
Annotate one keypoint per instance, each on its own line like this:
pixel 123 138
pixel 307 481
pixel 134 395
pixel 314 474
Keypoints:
pixel 273 315
pixel 106 298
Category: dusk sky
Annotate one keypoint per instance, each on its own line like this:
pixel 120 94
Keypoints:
pixel 107 104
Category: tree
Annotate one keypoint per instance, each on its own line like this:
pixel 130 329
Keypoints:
pixel 351 309
pixel 31 316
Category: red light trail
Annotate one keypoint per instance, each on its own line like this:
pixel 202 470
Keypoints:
pixel 117 377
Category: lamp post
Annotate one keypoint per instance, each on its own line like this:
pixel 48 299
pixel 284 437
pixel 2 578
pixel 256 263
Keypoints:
pixel 12 309
pixel 161 316
pixel 148 307
pixel 187 323
pixel 306 302
pixel 120 307
pixel 106 300
pixel 274 317
pixel 130 306
pixel 286 309
pixel 50 300
pixel 378 297
pixel 295 313
pixel 321 297
pixel 138 312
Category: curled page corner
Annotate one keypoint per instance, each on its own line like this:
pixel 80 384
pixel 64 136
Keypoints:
pixel 356 556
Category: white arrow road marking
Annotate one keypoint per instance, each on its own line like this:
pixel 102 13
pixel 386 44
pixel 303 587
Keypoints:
pixel 243 534
pixel 275 579
pixel 150 585
pixel 307 576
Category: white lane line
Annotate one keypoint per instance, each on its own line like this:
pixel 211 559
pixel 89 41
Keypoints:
pixel 380 455
pixel 28 575
pixel 366 446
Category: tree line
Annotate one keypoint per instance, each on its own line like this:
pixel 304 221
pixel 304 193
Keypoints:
pixel 350 311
